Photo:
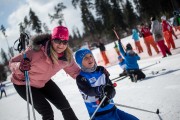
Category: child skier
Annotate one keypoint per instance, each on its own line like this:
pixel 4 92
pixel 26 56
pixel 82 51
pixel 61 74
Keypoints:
pixel 122 64
pixel 94 83
pixel 131 59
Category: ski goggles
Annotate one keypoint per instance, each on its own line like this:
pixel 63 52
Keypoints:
pixel 58 41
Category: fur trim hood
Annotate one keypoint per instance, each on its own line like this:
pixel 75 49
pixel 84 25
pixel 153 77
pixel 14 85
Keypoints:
pixel 39 40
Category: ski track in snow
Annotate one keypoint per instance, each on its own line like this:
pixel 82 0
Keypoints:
pixel 160 91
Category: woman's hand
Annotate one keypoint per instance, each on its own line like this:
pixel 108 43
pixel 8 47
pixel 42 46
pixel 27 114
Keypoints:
pixel 25 65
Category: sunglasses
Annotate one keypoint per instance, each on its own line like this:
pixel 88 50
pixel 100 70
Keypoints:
pixel 58 41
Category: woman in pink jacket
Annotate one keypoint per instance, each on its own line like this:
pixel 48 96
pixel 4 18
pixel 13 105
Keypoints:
pixel 46 55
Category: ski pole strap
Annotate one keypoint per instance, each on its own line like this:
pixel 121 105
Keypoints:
pixel 22 42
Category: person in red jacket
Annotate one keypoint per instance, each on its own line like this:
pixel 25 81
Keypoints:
pixel 148 39
pixel 167 32
pixel 47 54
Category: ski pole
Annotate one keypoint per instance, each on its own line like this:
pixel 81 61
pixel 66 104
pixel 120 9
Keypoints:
pixel 157 111
pixel 98 107
pixel 28 87
pixel 117 36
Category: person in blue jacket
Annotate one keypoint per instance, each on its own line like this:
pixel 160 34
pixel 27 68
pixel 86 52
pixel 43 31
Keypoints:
pixel 131 59
pixel 94 83
pixel 135 37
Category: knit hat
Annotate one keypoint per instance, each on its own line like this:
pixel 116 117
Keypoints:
pixel 80 54
pixel 128 47
pixel 163 17
pixel 60 32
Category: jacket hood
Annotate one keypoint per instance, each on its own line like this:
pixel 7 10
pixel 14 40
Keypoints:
pixel 134 31
pixel 39 40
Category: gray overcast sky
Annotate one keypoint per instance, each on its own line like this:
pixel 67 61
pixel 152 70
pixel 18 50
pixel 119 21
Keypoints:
pixel 12 12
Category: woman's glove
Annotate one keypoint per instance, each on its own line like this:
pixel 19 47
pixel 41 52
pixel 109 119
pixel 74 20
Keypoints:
pixel 25 65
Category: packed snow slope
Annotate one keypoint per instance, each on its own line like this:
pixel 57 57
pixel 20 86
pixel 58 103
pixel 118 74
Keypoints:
pixel 158 91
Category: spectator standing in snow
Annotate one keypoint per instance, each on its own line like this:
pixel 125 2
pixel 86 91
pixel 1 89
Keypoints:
pixel 2 88
pixel 167 32
pixel 135 37
pixel 148 39
pixel 156 29
pixel 94 83
pixel 46 55
pixel 102 48
pixel 131 59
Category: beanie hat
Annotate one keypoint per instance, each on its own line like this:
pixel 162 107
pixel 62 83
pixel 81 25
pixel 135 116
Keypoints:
pixel 60 32
pixel 80 54
pixel 163 17
pixel 128 47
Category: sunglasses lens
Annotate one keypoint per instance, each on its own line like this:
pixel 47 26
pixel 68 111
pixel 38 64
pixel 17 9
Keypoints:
pixel 57 41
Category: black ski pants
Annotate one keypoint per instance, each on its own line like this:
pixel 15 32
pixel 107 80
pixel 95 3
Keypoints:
pixel 138 72
pixel 52 93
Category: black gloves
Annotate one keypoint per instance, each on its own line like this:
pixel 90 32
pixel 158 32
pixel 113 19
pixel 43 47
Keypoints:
pixel 109 92
pixel 106 102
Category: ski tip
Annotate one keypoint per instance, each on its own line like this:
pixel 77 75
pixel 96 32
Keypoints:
pixel 157 112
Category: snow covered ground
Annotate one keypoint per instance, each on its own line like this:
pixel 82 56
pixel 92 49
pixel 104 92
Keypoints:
pixel 158 91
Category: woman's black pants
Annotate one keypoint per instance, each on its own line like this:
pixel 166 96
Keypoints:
pixel 52 93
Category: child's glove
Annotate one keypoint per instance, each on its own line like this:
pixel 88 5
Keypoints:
pixel 105 103
pixel 25 65
pixel 109 91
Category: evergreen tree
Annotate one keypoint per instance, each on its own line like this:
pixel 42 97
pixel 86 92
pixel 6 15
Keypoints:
pixel 3 73
pixel 117 17
pixel 4 57
pixel 3 30
pixel 46 29
pixel 35 22
pixel 58 15
pixel 130 16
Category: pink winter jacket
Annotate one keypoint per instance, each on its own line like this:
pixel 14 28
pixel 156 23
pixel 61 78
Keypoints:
pixel 42 68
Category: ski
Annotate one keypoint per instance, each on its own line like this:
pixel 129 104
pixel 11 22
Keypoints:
pixel 151 65
pixel 120 78
pixel 157 71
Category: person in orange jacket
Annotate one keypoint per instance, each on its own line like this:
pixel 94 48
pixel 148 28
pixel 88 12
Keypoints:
pixel 148 39
pixel 167 32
